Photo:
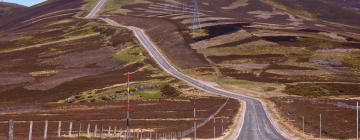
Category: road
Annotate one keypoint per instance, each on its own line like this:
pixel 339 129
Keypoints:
pixel 96 9
pixel 256 124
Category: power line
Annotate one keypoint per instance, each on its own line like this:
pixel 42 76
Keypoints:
pixel 195 16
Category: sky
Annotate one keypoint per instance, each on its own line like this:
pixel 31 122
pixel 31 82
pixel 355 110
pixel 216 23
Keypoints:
pixel 24 2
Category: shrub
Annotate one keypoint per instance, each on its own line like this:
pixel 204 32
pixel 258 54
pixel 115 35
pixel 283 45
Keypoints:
pixel 312 90
pixel 170 91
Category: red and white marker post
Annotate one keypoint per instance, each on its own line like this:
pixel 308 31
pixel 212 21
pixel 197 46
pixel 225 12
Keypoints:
pixel 128 75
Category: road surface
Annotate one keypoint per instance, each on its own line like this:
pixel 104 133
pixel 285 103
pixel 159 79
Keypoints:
pixel 96 9
pixel 256 124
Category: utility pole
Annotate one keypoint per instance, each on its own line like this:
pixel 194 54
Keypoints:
pixel 194 120
pixel 127 107
pixel 222 125
pixel 214 128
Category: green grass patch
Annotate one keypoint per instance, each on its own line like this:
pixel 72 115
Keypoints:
pixel 154 93
pixel 116 6
pixel 84 29
pixel 125 56
pixel 130 53
pixel 22 39
pixel 86 8
pixel 31 39
pixel 148 90
pixel 199 33
pixel 258 86
pixel 90 4
pixel 253 48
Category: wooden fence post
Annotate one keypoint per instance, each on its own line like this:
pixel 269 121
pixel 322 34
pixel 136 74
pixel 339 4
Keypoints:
pixel 11 130
pixel 120 133
pixel 30 130
pixel 46 129
pixel 95 129
pixel 140 134
pixel 109 132
pixel 101 131
pixel 70 129
pixel 88 130
pixel 79 130
pixel 59 129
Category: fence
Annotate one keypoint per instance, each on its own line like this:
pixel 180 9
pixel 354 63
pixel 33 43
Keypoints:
pixel 50 129
pixel 33 130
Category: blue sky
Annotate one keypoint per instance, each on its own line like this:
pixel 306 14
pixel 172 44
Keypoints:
pixel 25 2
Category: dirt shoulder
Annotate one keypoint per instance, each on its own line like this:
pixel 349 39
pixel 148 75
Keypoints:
pixel 234 130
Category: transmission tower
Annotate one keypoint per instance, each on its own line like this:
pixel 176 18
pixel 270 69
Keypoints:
pixel 183 5
pixel 195 15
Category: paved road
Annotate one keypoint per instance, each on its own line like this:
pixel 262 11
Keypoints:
pixel 96 9
pixel 256 124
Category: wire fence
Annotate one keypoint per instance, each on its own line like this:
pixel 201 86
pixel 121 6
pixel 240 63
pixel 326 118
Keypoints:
pixel 34 130
pixel 96 129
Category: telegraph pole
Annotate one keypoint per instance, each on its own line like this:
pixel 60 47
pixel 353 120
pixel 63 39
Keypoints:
pixel 222 126
pixel 303 124
pixel 127 107
pixel 320 125
pixel 357 120
pixel 194 120
pixel 214 128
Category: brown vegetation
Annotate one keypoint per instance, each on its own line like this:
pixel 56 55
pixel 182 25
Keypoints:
pixel 156 115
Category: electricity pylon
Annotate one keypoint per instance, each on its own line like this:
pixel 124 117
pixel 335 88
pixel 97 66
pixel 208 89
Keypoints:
pixel 195 15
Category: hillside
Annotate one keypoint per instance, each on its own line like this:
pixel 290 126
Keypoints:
pixel 341 12
pixel 48 48
pixel 288 51
pixel 53 61
pixel 301 57
pixel 7 9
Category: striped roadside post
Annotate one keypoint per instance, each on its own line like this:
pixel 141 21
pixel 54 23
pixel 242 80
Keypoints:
pixel 128 75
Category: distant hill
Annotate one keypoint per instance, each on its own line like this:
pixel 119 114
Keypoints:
pixel 47 7
pixel 7 9
pixel 339 11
